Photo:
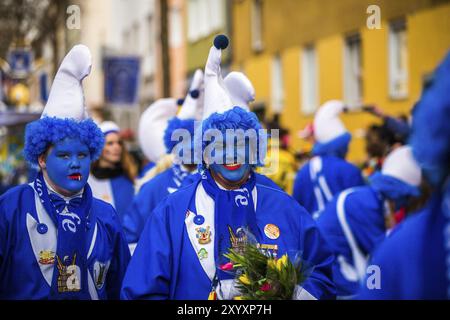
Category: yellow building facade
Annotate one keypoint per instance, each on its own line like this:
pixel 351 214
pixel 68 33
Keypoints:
pixel 287 27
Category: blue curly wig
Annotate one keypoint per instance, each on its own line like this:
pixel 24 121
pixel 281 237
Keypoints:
pixel 236 118
pixel 42 133
pixel 174 124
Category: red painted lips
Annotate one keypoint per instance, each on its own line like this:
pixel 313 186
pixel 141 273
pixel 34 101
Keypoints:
pixel 75 176
pixel 232 167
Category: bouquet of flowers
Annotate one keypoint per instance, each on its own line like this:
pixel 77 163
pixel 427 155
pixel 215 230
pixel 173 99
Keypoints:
pixel 263 277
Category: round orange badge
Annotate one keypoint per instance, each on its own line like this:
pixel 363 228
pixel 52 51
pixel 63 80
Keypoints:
pixel 272 231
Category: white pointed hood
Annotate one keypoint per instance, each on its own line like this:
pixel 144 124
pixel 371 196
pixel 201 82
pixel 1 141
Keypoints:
pixel 109 126
pixel 66 98
pixel 240 89
pixel 217 97
pixel 192 107
pixel 401 164
pixel 152 124
pixel 327 124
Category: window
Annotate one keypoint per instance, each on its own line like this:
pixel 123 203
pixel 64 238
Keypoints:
pixel 352 71
pixel 277 85
pixel 309 87
pixel 204 17
pixel 398 60
pixel 176 28
pixel 256 25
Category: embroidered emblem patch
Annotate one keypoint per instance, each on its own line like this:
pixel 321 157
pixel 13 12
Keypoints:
pixel 46 257
pixel 100 271
pixel 238 240
pixel 203 235
pixel 68 275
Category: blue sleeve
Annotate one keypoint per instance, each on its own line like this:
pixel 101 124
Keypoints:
pixel 366 222
pixel 352 178
pixel 148 275
pixel 317 255
pixel 119 263
pixel 135 217
pixel 301 181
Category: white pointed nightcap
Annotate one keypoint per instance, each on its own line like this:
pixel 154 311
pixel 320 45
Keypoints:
pixel 240 89
pixel 217 97
pixel 66 98
pixel 192 107
pixel 152 124
pixel 108 127
pixel 401 164
pixel 327 124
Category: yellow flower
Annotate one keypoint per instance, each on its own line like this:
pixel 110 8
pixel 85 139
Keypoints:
pixel 271 263
pixel 281 262
pixel 238 298
pixel 244 279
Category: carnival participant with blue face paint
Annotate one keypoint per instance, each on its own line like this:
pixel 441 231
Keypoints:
pixel 357 220
pixel 56 240
pixel 327 173
pixel 414 259
pixel 112 175
pixel 181 248
pixel 151 193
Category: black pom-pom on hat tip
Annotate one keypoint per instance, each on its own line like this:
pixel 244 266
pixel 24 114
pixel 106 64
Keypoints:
pixel 221 41
pixel 180 102
pixel 194 93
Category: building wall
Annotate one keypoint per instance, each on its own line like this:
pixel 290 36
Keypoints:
pixel 290 25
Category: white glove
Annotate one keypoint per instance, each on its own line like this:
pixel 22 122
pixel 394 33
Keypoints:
pixel 227 290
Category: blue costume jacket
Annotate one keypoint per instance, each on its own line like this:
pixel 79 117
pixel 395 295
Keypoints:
pixel 321 178
pixel 27 254
pixel 169 264
pixel 361 211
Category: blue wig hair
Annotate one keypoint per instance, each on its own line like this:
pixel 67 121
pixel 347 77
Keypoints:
pixel 336 147
pixel 236 118
pixel 42 133
pixel 430 134
pixel 174 124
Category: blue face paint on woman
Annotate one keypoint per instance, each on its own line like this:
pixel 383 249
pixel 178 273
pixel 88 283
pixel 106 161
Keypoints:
pixel 68 164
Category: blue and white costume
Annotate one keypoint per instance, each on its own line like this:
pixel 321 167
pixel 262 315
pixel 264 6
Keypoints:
pixel 56 240
pixel 353 223
pixel 327 173
pixel 182 245
pixel 154 191
pixel 118 190
pixel 27 252
pixel 414 259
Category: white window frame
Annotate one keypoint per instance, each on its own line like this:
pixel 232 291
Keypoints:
pixel 277 92
pixel 257 25
pixel 353 71
pixel 310 80
pixel 398 77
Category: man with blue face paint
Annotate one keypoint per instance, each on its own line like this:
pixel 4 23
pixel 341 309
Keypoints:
pixel 56 240
pixel 356 221
pixel 414 261
pixel 327 173
pixel 181 248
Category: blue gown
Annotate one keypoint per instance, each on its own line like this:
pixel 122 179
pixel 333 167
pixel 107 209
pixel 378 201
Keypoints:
pixel 364 214
pixel 310 190
pixel 25 268
pixel 412 258
pixel 118 191
pixel 153 192
pixel 148 197
pixel 167 263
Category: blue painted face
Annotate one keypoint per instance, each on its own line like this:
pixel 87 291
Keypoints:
pixel 68 164
pixel 236 162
